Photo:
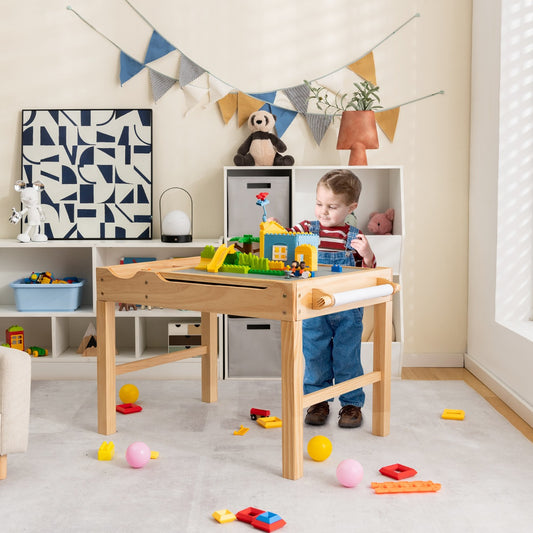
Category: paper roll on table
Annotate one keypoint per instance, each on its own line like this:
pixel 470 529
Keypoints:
pixel 322 299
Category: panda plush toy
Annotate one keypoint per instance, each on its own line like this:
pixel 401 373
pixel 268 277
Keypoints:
pixel 262 147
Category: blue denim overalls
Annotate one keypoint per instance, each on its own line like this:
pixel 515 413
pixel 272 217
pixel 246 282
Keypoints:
pixel 332 343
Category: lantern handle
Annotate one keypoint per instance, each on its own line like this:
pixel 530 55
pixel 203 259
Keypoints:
pixel 161 197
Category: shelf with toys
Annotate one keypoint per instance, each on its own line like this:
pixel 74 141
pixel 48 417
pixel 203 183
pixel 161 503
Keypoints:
pixel 291 196
pixel 140 332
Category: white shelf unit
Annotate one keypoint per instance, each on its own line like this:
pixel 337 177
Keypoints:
pixel 139 333
pixel 382 188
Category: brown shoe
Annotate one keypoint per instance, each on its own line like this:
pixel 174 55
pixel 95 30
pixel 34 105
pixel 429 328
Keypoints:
pixel 350 416
pixel 317 414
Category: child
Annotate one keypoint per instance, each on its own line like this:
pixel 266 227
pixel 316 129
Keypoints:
pixel 332 343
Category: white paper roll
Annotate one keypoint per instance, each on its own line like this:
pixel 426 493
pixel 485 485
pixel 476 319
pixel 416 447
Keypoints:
pixel 347 297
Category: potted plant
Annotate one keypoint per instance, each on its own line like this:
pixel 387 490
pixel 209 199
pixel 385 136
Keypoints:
pixel 357 131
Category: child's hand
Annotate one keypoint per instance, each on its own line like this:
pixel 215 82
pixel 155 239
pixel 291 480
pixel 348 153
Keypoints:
pixel 362 247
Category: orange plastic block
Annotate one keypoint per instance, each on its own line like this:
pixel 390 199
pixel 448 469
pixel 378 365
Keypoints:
pixel 453 414
pixel 224 516
pixel 269 422
pixel 396 487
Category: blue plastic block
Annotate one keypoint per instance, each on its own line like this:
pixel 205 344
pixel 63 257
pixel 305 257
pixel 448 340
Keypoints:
pixel 268 518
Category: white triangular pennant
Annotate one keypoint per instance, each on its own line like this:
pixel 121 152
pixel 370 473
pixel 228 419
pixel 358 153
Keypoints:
pixel 195 97
pixel 218 89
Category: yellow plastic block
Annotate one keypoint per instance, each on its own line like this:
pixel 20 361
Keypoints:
pixel 224 516
pixel 241 431
pixel 154 454
pixel 106 451
pixel 269 422
pixel 453 414
pixel 396 487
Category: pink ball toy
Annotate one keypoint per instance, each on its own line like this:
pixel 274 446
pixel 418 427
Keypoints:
pixel 349 472
pixel 138 454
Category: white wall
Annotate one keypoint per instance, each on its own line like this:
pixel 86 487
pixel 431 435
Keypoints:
pixel 51 59
pixel 500 357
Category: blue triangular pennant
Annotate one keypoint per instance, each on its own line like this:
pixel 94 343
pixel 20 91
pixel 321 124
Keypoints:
pixel 266 97
pixel 284 117
pixel 158 47
pixel 128 67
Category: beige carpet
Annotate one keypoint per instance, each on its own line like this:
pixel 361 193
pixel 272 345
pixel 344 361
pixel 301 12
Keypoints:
pixel 484 464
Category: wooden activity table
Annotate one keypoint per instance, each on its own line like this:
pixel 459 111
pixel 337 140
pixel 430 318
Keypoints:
pixel 174 283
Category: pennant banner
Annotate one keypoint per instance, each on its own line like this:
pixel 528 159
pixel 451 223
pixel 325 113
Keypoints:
pixel 218 89
pixel 246 105
pixel 188 71
pixel 284 117
pixel 318 124
pixel 158 47
pixel 298 97
pixel 387 121
pixel 129 67
pixel 160 83
pixel 228 106
pixel 365 68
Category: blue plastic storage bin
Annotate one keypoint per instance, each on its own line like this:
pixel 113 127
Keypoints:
pixel 47 297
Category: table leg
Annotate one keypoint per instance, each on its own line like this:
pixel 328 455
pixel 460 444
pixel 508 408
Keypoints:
pixel 105 367
pixel 209 360
pixel 382 362
pixel 291 399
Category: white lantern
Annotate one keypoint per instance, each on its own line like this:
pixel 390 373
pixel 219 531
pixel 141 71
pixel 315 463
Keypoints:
pixel 176 225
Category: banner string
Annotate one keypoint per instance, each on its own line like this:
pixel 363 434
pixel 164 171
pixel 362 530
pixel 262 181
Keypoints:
pixel 412 101
pixel 91 26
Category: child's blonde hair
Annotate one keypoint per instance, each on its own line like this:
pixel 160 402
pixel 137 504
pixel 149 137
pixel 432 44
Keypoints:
pixel 342 182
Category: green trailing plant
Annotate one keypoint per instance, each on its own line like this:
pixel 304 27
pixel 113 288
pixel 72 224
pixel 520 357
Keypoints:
pixel 364 97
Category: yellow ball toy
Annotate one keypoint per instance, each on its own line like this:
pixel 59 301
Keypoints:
pixel 128 393
pixel 319 448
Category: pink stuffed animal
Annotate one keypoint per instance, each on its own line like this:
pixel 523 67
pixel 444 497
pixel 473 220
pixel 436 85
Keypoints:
pixel 381 223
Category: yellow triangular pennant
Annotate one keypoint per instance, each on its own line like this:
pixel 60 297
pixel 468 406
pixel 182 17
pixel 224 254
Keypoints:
pixel 387 121
pixel 228 106
pixel 246 106
pixel 365 68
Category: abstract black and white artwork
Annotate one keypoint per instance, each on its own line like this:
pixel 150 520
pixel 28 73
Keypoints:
pixel 96 167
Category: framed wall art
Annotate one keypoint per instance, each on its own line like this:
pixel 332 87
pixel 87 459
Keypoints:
pixel 96 168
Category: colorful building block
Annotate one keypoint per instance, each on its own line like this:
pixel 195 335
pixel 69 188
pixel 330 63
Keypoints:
pixel 241 431
pixel 106 451
pixel 398 471
pixel 453 414
pixel 268 521
pixel 396 487
pixel 128 408
pixel 224 516
pixel 248 515
pixel 269 422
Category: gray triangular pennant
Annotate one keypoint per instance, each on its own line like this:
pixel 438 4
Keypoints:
pixel 318 125
pixel 189 71
pixel 299 97
pixel 160 83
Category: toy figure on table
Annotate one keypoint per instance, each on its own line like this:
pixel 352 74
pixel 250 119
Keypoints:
pixel 31 208
pixel 332 343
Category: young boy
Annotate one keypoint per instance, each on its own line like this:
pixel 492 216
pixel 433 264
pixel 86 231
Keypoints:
pixel 332 343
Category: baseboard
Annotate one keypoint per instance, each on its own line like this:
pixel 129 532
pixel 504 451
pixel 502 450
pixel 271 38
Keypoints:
pixel 433 360
pixel 523 409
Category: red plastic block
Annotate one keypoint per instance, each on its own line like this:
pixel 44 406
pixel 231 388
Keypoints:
pixel 398 471
pixel 248 515
pixel 128 408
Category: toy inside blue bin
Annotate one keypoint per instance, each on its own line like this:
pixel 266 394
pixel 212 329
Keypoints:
pixel 47 296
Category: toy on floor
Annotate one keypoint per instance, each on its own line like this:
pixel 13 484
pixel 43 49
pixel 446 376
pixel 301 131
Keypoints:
pixel 396 487
pixel 349 473
pixel 224 516
pixel 453 414
pixel 128 394
pixel 398 471
pixel 263 520
pixel 106 451
pixel 262 147
pixel 138 454
pixel 269 422
pixel 241 431
pixel 319 448
pixel 31 209
pixel 257 413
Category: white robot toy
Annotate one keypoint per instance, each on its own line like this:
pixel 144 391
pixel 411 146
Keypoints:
pixel 31 208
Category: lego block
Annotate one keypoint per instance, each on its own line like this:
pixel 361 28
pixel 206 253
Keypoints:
pixel 248 515
pixel 269 422
pixel 241 431
pixel 453 414
pixel 266 526
pixel 224 516
pixel 268 518
pixel 398 471
pixel 397 487
pixel 336 268
pixel 128 408
pixel 106 451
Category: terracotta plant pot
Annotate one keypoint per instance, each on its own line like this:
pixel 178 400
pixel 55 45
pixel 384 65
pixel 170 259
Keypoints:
pixel 358 133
